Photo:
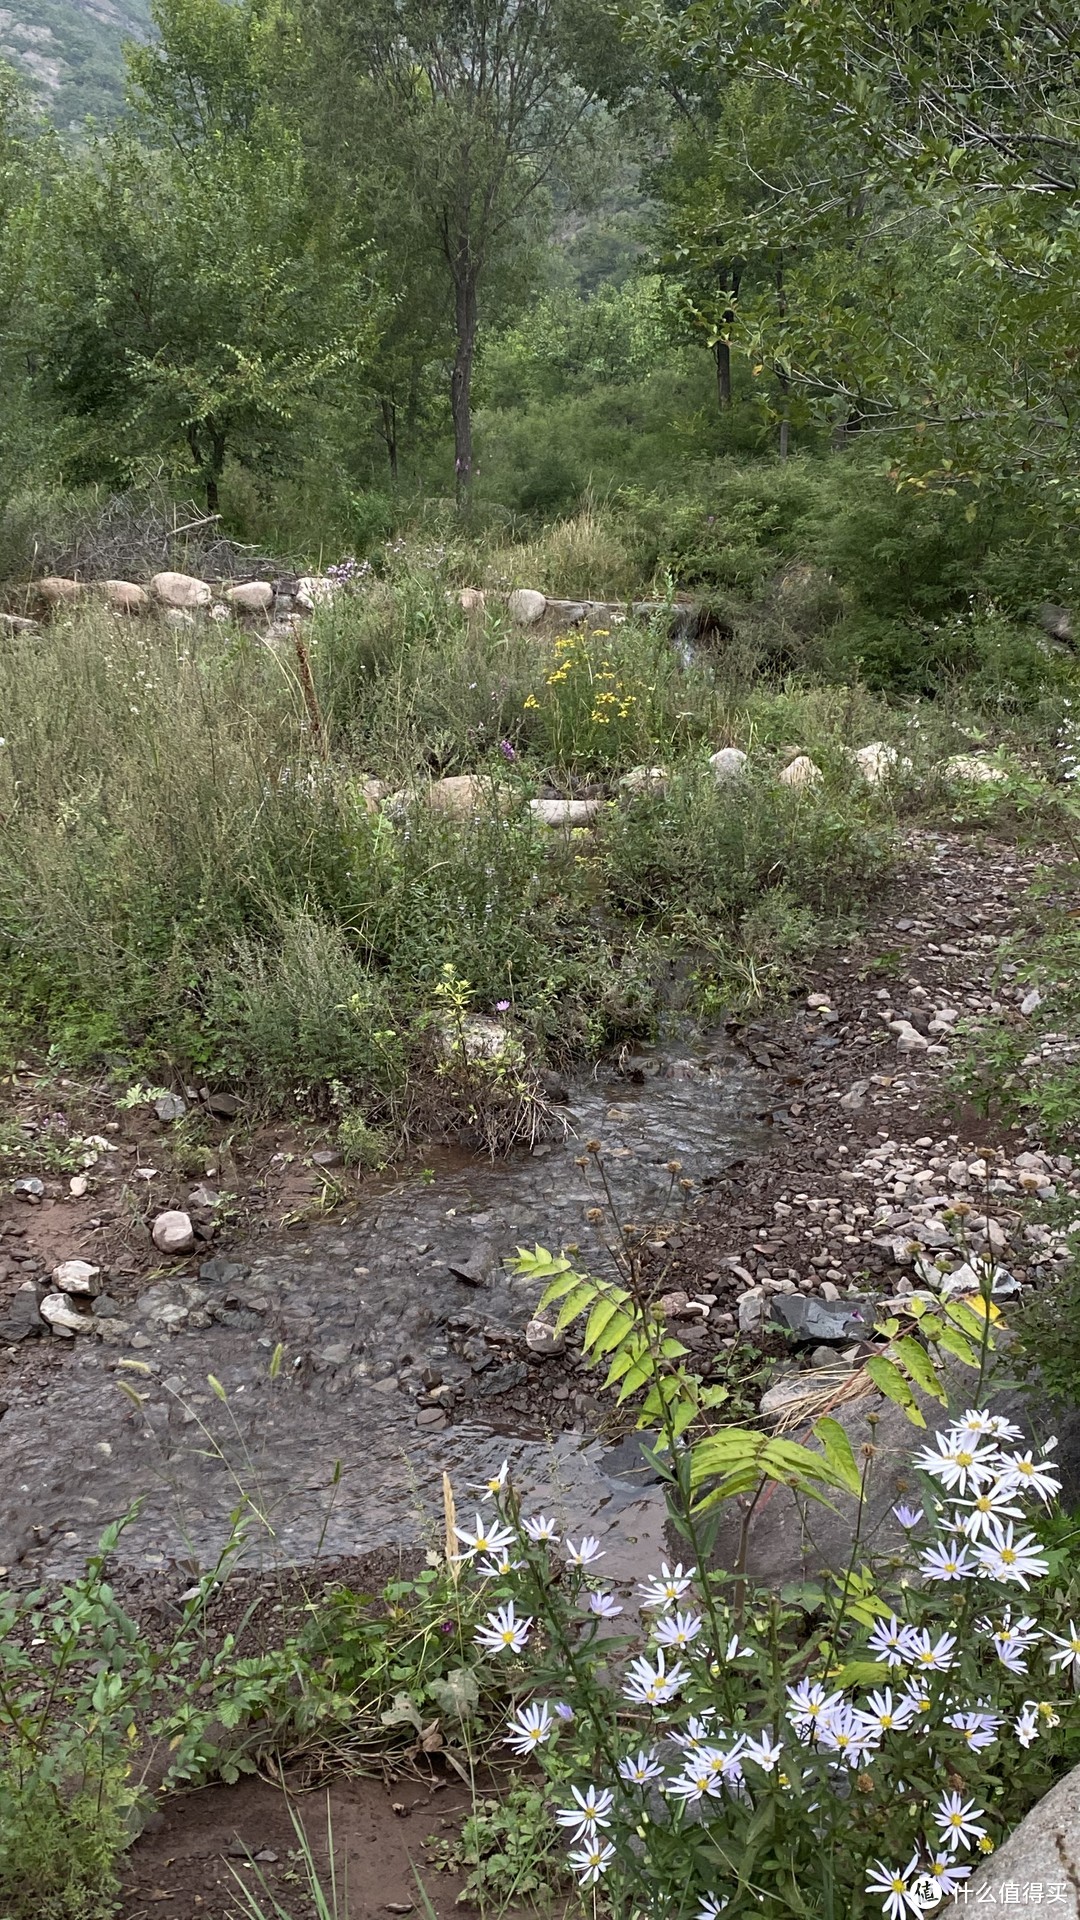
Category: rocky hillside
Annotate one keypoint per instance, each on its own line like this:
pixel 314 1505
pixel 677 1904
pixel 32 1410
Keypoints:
pixel 70 52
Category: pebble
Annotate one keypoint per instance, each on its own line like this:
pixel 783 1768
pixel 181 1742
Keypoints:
pixel 76 1276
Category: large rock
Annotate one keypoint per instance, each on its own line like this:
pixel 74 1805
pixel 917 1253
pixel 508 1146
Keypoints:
pixel 565 813
pixel 472 601
pixel 1039 1862
pixel 801 773
pixel 314 590
pixel 251 596
pixel 16 623
pixel 180 590
pixel 54 591
pixel 123 596
pixel 728 764
pixel 62 1315
pixel 968 769
pixel 172 1232
pixel 77 1276
pixel 643 780
pixel 876 762
pixel 526 606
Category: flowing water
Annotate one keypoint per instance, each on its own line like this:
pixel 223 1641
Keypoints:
pixel 333 1455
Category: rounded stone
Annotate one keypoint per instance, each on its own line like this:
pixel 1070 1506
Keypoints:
pixel 801 773
pixel 728 764
pixel 527 606
pixel 180 591
pixel 123 596
pixel 172 1232
pixel 251 596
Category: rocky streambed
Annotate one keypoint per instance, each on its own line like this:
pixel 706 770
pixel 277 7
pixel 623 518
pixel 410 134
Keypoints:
pixel 401 1352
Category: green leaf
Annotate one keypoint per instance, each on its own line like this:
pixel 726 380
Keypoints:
pixel 581 1297
pixel 838 1453
pixel 920 1366
pixel 956 1343
pixel 892 1384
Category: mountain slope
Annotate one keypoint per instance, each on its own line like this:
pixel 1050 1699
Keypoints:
pixel 70 52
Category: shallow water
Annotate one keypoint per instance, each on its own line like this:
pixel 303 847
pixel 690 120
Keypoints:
pixel 332 1457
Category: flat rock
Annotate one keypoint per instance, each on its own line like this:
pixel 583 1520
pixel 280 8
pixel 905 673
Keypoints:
pixel 170 1106
pixel 180 591
pixel 17 623
pixel 969 769
pixel 817 1320
pixel 475 1266
pixel 172 1232
pixel 565 813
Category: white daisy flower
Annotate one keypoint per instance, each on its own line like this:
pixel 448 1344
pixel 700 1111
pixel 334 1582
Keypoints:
pixel 696 1734
pixel 677 1630
pixel 1069 1655
pixel 932 1656
pixel 1024 1472
pixel 764 1751
pixel 591 1860
pixel 651 1686
pixel 995 1501
pixel 666 1587
pixel 811 1706
pixel 896 1887
pixel 958 1821
pixel 916 1692
pixel 504 1629
pixel 947 1874
pixel 497 1566
pixel 593 1810
pixel 892 1642
pixel 1026 1725
pixel 979 1728
pixel 489 1488
pixel 1011 1642
pixel 959 1464
pixel 698 1780
pixel 949 1560
pixel 977 1424
pixel 589 1550
pixel 1004 1557
pixel 604 1605
pixel 737 1652
pixel 540 1530
pixel 883 1714
pixel 486 1537
pixel 637 1769
pixel 711 1907
pixel 529 1729
pixel 844 1733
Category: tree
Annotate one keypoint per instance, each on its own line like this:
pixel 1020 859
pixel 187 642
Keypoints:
pixel 953 308
pixel 461 110
pixel 198 302
pixel 27 163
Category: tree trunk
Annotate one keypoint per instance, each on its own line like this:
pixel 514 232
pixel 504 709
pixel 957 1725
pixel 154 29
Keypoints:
pixel 722 356
pixel 465 315
pixel 390 435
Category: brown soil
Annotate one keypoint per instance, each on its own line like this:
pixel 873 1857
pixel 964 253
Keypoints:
pixel 187 1866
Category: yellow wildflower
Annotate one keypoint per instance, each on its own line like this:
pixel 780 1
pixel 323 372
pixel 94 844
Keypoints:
pixel 532 701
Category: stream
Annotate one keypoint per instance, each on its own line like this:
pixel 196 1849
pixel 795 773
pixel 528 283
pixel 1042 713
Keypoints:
pixel 335 1456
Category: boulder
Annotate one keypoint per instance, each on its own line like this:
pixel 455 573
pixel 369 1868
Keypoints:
pixel 15 623
pixel 801 773
pixel 968 769
pixel 314 590
pixel 251 596
pixel 62 1315
pixel 56 592
pixel 77 1276
pixel 123 596
pixel 565 813
pixel 526 606
pixel 172 1232
pixel 643 780
pixel 21 1319
pixel 876 762
pixel 1040 1861
pixel 371 793
pixel 728 764
pixel 472 601
pixel 180 591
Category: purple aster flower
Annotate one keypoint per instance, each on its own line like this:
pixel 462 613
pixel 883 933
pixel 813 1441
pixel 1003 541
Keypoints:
pixel 508 750
pixel 502 1006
